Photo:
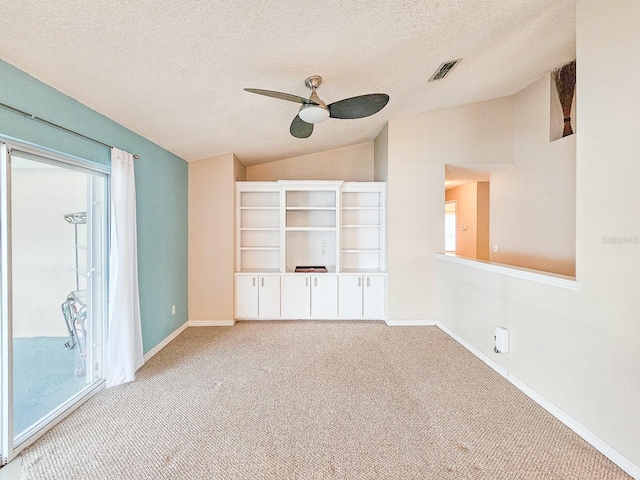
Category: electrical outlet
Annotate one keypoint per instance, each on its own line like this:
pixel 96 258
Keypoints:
pixel 495 248
pixel 173 309
pixel 502 340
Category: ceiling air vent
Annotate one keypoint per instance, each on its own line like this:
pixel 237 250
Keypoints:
pixel 444 69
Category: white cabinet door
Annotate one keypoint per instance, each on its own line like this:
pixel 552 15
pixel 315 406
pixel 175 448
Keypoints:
pixel 246 296
pixel 269 296
pixel 350 296
pixel 374 296
pixel 257 296
pixel 324 296
pixel 296 296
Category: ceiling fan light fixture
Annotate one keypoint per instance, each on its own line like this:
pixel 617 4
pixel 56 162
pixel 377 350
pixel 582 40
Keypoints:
pixel 313 113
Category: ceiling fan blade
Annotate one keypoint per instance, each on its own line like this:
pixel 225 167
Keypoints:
pixel 358 107
pixel 300 129
pixel 282 96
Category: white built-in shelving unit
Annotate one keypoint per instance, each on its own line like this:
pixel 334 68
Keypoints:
pixel 258 221
pixel 363 224
pixel 290 223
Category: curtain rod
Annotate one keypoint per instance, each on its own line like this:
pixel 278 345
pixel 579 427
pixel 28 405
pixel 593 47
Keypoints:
pixel 26 114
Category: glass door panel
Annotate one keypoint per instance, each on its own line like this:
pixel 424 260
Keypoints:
pixel 57 256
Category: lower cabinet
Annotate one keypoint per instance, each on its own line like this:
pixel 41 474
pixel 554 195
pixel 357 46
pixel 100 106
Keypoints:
pixel 362 296
pixel 257 296
pixel 309 296
pixel 324 296
pixel 300 296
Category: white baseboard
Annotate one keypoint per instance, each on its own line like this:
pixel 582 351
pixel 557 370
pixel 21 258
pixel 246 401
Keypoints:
pixel 410 323
pixel 165 342
pixel 182 328
pixel 603 447
pixel 211 323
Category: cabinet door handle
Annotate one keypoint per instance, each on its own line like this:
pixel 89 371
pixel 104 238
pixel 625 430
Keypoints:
pixel 359 281
pixel 254 281
pixel 306 282
pixel 368 281
pixel 315 282
pixel 262 282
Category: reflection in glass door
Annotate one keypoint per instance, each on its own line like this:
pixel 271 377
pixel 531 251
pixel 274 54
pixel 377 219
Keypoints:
pixel 57 289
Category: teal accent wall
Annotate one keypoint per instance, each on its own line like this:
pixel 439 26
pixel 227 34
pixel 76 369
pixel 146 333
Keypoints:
pixel 161 188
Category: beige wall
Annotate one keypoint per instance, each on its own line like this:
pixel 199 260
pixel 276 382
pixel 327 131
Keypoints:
pixel 351 164
pixel 533 201
pixel 211 237
pixel 418 148
pixel 472 219
pixel 381 155
pixel 239 170
pixel 579 350
pixel 607 206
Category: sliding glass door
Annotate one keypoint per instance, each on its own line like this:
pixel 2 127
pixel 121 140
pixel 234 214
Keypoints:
pixel 54 241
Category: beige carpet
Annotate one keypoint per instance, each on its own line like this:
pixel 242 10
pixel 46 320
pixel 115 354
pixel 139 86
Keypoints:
pixel 314 400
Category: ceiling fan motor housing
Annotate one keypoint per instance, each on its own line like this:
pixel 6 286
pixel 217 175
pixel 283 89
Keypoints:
pixel 313 82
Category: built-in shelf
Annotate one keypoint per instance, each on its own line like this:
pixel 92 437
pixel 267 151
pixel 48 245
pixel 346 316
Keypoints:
pixel 361 250
pixel 259 208
pixel 361 208
pixel 310 229
pixel 362 238
pixel 330 209
pixel 361 271
pixel 363 225
pixel 259 229
pixel 260 270
pixel 258 222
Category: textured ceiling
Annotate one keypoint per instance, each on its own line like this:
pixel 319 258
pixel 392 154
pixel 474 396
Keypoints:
pixel 174 70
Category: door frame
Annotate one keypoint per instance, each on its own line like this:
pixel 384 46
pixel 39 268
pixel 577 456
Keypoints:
pixel 455 227
pixel 10 447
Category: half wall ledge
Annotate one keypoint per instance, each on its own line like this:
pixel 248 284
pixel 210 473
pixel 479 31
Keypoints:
pixel 546 278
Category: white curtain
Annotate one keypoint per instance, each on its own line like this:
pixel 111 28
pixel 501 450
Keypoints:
pixel 124 341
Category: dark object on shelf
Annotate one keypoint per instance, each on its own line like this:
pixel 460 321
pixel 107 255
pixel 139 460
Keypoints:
pixel 312 269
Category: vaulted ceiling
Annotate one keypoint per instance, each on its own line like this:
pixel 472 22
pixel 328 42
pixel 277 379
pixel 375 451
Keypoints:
pixel 174 70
